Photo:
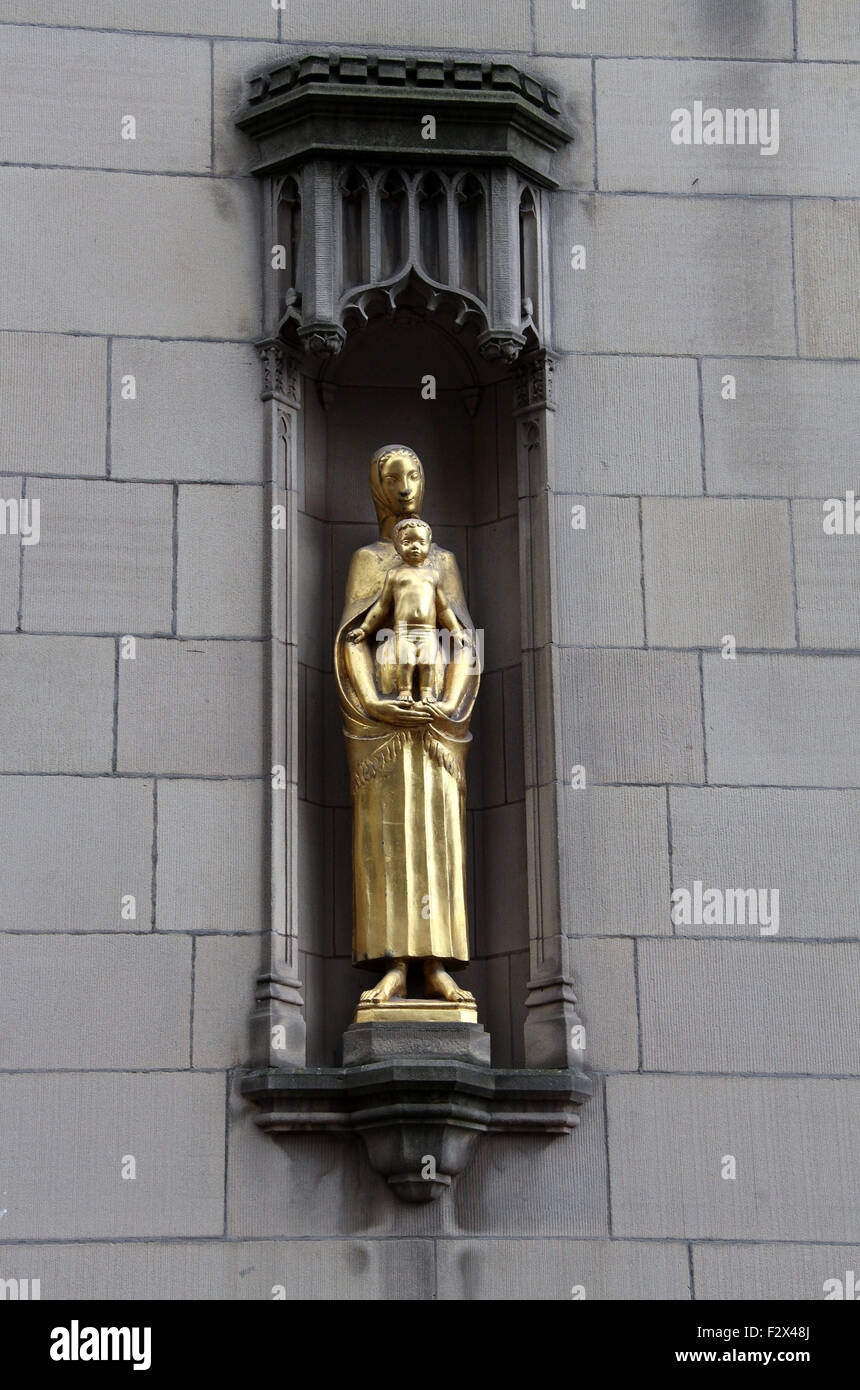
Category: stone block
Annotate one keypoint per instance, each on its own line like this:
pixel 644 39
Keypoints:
pixel 756 1273
pixel 782 721
pixel 224 535
pixel 625 827
pixel 58 386
pixel 298 1271
pixel 65 1139
pixel 197 415
pixel 718 29
pixel 597 589
pixel 828 29
pixel 411 24
pixel 779 1006
pixel 104 562
pixel 647 442
pixel 550 1270
pixel 673 275
pixel 485 769
pixel 501 884
pixel 714 567
pixel 812 151
pixel 104 78
pixel 211 848
pixel 828 277
pixel 494 590
pixel 629 716
pixel 794 1141
pixel 56 703
pixel 771 838
pixel 133 991
pixel 605 983
pixel 315 880
pixel 73 848
pixel 314 593
pixel 193 707
pixel 828 571
pixel 229 17
pixel 514 734
pixel 11 547
pixel 225 973
pixel 109 273
pixel 366 1043
pixel 232 64
pixel 790 430
pixel 570 79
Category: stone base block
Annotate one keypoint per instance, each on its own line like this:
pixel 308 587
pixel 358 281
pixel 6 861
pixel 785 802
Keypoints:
pixel 420 1042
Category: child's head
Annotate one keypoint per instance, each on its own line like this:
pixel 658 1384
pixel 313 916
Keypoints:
pixel 412 538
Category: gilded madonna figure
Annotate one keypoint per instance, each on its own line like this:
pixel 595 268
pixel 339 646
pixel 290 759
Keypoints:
pixel 407 672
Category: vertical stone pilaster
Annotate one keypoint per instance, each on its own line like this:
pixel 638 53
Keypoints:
pixel 551 1036
pixel 278 1026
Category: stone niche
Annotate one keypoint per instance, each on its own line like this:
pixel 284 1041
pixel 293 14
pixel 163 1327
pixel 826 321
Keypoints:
pixel 405 291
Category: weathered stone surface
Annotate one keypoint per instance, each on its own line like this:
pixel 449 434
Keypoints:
pixel 828 571
pixel 770 838
pixel 673 275
pixel 790 430
pixel 364 1043
pixel 310 1184
pixel 56 703
pixel 192 707
pixel 597 572
pixel 720 29
pixel 506 26
pixel 816 150
pixel 211 856
pixel 224 533
pixel 828 29
pixel 771 719
pixel 163 83
pixel 828 277
pixel 182 17
pixel 604 979
pixel 61 430
pixel 197 415
pixel 73 848
pixel 766 1272
pixel 297 1271
pixel 143 1014
pixel 107 273
pixel 556 1269
pixel 794 1142
pixel 570 79
pixel 631 716
pixel 104 562
pixel 225 972
pixel 782 1006
pixel 714 567
pixel 649 442
pixel 65 1139
pixel 11 546
pixel 627 828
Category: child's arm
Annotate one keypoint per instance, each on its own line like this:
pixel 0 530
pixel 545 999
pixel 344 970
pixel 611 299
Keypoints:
pixel 445 613
pixel 376 616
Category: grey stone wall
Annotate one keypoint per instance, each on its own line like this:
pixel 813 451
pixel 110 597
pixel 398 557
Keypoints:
pixel 143 779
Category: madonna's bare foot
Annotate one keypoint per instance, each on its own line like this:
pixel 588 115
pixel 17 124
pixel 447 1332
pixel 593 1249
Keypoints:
pixel 391 986
pixel 440 984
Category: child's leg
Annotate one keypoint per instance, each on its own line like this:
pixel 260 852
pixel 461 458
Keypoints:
pixel 405 671
pixel 425 680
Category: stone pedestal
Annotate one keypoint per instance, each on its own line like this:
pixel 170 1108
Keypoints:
pixel 420 1095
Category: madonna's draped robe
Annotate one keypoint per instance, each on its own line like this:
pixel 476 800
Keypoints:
pixel 408 785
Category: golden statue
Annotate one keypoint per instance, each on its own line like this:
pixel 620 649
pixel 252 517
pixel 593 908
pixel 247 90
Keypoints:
pixel 406 747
